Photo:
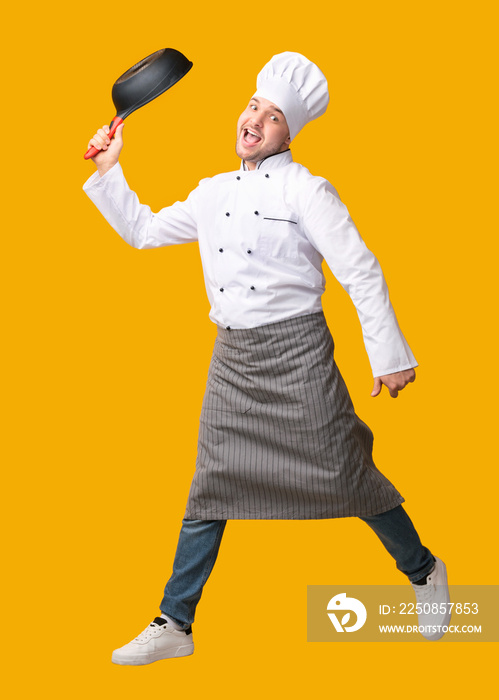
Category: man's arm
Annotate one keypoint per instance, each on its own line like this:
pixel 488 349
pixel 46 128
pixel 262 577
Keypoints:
pixel 120 206
pixel 333 233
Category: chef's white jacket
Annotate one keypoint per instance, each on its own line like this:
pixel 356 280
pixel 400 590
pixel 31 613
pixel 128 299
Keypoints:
pixel 262 236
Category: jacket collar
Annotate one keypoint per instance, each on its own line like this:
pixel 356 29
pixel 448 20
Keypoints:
pixel 277 160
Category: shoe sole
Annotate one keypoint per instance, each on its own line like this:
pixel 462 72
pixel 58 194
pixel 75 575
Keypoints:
pixel 176 652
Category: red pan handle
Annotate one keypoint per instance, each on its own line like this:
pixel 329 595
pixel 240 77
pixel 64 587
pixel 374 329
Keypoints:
pixel 92 151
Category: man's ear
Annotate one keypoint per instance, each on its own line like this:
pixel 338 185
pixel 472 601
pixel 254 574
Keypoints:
pixel 288 140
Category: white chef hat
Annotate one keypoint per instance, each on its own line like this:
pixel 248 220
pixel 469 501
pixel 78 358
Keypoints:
pixel 295 85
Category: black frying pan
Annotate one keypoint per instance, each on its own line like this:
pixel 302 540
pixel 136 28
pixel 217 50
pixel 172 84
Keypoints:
pixel 142 83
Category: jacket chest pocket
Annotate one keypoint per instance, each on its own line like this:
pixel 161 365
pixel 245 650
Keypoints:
pixel 279 234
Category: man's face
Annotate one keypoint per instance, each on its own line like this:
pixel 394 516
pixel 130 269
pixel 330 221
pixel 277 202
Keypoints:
pixel 262 130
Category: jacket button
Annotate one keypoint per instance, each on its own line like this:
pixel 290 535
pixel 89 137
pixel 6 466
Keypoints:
pixel 227 328
pixel 257 212
pixel 248 251
pixel 238 177
pixel 220 250
pixel 227 213
pixel 252 288
pixel 221 289
pixel 267 175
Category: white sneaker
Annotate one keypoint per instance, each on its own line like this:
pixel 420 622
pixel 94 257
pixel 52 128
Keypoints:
pixel 158 641
pixel 433 603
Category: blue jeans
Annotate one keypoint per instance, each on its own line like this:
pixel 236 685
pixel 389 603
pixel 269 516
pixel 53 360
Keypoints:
pixel 199 543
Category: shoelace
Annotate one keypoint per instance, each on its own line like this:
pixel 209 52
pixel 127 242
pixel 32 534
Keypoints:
pixel 149 632
pixel 424 593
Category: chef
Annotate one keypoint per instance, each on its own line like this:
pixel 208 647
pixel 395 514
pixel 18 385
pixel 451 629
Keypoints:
pixel 278 436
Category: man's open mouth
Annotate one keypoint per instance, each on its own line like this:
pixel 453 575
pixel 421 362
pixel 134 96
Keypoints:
pixel 251 137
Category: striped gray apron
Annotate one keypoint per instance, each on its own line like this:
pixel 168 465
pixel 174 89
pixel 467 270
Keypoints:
pixel 279 437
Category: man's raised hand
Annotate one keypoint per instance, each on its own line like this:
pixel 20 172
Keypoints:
pixel 109 149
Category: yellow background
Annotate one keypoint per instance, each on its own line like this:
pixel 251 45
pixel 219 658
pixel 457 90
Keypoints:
pixel 106 349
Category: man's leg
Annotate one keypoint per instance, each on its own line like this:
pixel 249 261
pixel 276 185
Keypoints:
pixel 197 550
pixel 396 531
pixel 427 573
pixel 170 636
